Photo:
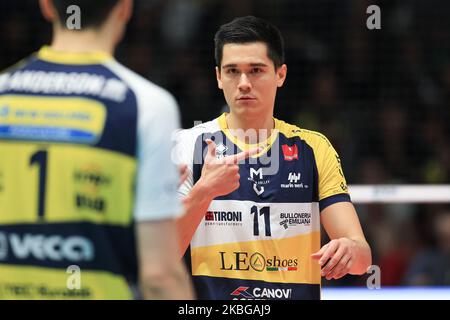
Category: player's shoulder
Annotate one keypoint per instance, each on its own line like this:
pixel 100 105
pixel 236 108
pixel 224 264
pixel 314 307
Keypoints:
pixel 192 134
pixel 21 64
pixel 188 141
pixel 145 91
pixel 7 73
pixel 313 138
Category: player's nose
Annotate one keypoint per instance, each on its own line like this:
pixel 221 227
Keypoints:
pixel 244 83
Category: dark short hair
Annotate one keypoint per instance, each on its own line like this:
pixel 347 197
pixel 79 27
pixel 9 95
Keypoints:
pixel 93 12
pixel 250 29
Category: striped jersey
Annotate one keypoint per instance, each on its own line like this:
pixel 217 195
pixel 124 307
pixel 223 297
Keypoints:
pixel 256 242
pixel 84 155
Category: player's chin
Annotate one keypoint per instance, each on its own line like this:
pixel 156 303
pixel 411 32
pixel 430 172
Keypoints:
pixel 248 110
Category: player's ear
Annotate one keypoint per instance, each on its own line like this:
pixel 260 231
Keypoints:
pixel 125 8
pixel 219 78
pixel 48 10
pixel 281 75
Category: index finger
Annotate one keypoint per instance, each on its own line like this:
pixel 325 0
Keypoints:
pixel 329 252
pixel 236 158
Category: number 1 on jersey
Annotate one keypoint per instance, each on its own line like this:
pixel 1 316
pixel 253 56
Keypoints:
pixel 40 158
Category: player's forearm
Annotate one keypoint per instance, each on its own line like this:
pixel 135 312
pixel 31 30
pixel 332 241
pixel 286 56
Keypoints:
pixel 173 283
pixel 196 204
pixel 363 257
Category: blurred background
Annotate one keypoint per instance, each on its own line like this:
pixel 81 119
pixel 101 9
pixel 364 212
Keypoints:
pixel 381 96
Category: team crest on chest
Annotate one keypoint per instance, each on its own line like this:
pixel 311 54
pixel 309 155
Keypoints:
pixel 257 177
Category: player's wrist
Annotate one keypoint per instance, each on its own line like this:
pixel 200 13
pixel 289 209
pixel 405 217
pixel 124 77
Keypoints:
pixel 204 189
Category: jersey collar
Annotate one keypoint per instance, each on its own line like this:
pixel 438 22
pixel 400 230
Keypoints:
pixel 48 54
pixel 264 145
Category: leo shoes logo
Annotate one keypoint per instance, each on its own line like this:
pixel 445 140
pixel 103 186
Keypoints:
pixel 245 261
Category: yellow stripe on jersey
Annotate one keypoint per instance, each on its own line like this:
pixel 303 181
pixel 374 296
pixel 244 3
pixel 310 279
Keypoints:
pixel 229 260
pixel 331 177
pixel 80 114
pixel 264 145
pixel 57 284
pixel 81 184
pixel 48 54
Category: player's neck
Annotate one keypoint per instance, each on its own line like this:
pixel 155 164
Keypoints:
pixel 82 42
pixel 262 128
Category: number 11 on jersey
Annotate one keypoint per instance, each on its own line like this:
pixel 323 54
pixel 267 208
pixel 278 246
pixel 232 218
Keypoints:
pixel 264 211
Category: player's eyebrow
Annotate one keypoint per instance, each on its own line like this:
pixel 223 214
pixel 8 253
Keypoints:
pixel 234 65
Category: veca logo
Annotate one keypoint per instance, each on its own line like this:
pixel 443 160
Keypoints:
pixel 42 247
pixel 3 246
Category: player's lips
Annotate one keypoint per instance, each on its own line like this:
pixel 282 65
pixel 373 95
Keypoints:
pixel 245 98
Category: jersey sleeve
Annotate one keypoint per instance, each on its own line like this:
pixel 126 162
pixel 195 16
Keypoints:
pixel 332 184
pixel 157 175
pixel 184 154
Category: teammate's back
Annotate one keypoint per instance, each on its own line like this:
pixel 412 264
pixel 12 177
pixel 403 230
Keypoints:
pixel 85 170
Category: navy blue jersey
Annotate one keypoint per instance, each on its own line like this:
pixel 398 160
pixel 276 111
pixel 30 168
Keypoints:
pixel 256 242
pixel 84 154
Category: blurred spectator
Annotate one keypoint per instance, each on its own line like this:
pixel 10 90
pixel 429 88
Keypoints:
pixel 431 266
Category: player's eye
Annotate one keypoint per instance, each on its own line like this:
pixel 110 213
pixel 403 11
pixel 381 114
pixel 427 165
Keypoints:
pixel 256 70
pixel 232 71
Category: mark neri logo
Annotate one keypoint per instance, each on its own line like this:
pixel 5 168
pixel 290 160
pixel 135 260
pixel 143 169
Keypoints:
pixel 294 182
pixel 293 178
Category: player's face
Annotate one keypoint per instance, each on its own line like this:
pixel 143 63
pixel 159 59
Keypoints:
pixel 249 80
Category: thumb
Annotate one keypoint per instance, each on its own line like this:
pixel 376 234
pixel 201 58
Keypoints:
pixel 211 149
